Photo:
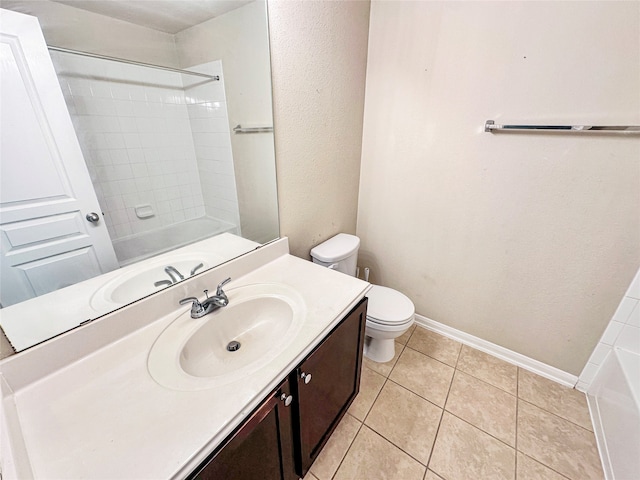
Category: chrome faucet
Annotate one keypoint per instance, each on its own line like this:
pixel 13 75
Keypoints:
pixel 210 304
pixel 173 273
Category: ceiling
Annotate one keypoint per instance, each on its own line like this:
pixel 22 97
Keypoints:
pixel 170 16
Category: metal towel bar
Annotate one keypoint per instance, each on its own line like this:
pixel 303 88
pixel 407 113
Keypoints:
pixel 491 126
pixel 241 129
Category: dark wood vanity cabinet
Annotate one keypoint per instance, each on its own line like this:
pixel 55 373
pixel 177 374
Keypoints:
pixel 285 434
pixel 260 449
pixel 325 384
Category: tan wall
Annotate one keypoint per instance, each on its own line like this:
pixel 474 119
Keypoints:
pixel 524 240
pixel 318 60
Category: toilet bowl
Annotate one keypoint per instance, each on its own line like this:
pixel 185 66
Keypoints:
pixel 389 312
pixel 389 315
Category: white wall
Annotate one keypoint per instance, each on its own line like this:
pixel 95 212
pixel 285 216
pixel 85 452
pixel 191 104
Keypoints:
pixel 319 58
pixel 525 240
pixel 91 32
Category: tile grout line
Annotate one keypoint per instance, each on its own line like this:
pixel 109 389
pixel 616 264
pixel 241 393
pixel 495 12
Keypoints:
pixel 489 384
pixel 398 447
pixel 550 413
pixel 463 371
pixel 478 428
pixel 545 465
pixel 347 450
pixel 362 424
pixel 435 438
pixel 429 357
pixel 388 379
pixel 556 415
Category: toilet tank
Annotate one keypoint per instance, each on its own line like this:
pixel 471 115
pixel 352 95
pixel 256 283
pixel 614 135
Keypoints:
pixel 339 252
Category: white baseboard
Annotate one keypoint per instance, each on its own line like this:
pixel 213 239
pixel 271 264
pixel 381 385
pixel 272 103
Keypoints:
pixel 502 353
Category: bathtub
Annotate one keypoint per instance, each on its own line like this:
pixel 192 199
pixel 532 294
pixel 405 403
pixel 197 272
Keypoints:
pixel 136 247
pixel 614 402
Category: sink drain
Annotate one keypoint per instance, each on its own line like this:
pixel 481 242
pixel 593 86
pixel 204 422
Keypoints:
pixel 233 346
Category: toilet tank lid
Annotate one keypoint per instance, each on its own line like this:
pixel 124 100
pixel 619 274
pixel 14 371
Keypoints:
pixel 336 248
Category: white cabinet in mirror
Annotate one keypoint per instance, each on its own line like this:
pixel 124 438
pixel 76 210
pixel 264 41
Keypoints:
pixel 112 124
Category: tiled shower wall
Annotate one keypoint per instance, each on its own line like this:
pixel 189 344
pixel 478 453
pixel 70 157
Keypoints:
pixel 623 331
pixel 135 131
pixel 207 108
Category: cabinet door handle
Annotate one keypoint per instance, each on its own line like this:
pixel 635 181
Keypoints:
pixel 287 399
pixel 306 377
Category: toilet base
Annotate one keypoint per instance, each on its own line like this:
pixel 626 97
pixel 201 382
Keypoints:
pixel 379 349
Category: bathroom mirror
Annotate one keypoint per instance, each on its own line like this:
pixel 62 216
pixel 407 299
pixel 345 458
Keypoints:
pixel 170 103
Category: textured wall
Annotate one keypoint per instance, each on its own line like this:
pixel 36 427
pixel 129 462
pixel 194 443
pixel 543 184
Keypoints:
pixel 318 59
pixel 524 240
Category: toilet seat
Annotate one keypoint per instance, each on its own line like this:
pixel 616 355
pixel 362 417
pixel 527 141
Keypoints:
pixel 388 306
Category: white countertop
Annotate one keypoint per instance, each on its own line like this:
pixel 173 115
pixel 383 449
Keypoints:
pixel 103 415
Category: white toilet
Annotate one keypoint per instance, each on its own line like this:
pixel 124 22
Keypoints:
pixel 389 313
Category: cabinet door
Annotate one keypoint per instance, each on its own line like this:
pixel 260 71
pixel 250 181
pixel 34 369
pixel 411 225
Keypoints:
pixel 261 449
pixel 324 396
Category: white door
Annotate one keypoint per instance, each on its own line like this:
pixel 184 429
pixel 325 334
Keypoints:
pixel 46 240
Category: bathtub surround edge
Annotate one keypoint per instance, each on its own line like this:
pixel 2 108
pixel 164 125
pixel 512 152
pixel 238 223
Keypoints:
pixel 615 411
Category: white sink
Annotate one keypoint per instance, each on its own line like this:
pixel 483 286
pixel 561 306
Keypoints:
pixel 260 321
pixel 137 281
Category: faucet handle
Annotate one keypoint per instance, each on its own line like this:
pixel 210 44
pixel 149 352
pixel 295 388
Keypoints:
pixel 222 284
pixel 196 306
pixel 189 299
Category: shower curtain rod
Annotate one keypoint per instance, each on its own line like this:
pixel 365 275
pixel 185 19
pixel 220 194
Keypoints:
pixel 131 62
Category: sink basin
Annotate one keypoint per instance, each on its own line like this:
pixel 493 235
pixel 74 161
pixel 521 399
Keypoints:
pixel 138 280
pixel 230 343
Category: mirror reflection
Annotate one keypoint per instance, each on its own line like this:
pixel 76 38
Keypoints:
pixel 137 151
